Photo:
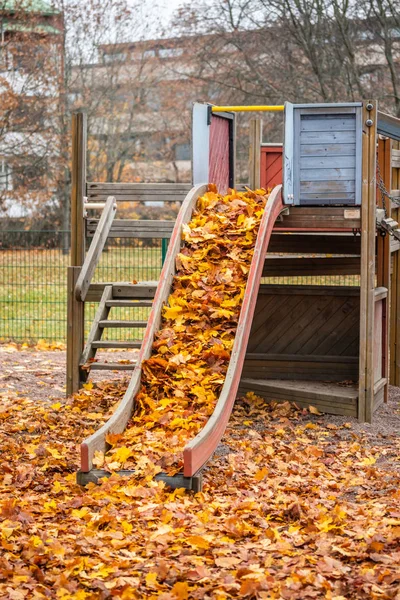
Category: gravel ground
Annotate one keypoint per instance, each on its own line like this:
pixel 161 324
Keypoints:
pixel 41 374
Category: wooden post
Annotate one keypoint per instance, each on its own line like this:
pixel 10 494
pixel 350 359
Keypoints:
pixel 75 329
pixel 75 334
pixel 383 249
pixel 395 289
pixel 78 187
pixel 255 139
pixel 367 282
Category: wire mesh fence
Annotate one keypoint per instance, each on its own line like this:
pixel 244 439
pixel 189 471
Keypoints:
pixel 33 276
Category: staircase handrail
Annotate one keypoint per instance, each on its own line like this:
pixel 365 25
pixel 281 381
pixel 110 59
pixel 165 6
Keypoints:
pixel 96 248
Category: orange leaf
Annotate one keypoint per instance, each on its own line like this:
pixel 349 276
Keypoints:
pixel 181 590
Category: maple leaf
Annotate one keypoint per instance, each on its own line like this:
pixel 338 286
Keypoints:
pixel 180 590
pixel 198 542
pixel 121 455
pixel 259 476
pixel 172 312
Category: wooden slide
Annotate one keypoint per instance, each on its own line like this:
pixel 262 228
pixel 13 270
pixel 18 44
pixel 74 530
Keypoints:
pixel 199 450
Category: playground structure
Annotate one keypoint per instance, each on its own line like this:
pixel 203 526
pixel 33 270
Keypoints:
pixel 325 345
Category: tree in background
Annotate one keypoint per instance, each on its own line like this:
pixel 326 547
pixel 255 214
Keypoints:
pixel 54 59
pixel 138 92
pixel 31 61
pixel 269 51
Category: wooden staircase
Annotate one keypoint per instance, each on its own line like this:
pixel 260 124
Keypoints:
pixel 104 320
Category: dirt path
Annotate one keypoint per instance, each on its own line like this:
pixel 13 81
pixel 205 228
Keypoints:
pixel 41 374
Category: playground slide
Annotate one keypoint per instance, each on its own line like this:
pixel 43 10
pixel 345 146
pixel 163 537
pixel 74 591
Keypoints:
pixel 199 450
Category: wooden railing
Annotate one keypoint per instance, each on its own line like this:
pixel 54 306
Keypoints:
pixel 96 248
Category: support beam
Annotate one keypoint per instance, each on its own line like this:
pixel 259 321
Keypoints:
pixel 394 182
pixel 383 251
pixel 367 283
pixel 255 139
pixel 75 332
pixel 78 187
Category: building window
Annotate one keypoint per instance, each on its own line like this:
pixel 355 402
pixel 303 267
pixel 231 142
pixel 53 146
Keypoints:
pixel 149 53
pixel 5 176
pixel 170 52
pixel 115 57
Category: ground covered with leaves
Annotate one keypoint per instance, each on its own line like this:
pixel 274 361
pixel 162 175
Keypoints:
pixel 295 505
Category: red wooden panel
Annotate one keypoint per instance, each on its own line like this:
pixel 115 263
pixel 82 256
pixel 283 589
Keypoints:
pixel 271 166
pixel 219 153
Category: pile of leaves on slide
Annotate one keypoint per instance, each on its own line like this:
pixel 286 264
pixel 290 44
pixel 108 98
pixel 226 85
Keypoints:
pixel 182 379
pixel 293 507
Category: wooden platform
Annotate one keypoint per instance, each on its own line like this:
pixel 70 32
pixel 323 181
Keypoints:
pixel 329 397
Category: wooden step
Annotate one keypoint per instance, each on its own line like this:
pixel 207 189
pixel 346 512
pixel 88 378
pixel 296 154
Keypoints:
pixel 115 344
pixel 123 290
pixel 99 366
pixel 329 397
pixel 110 323
pixel 129 303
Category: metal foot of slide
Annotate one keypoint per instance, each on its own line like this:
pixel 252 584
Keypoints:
pixel 194 483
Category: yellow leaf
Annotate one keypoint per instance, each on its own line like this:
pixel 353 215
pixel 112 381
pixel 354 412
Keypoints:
pixel 198 542
pixel 80 512
pixel 313 410
pixel 369 460
pixel 151 579
pixel 127 527
pixel 54 452
pixel 88 385
pixel 50 506
pixel 35 541
pixel 121 455
pixel 56 406
pixel 172 312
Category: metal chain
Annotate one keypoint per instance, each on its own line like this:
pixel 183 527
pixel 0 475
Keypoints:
pixel 383 190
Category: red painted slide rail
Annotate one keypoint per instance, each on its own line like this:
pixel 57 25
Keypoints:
pixel 201 448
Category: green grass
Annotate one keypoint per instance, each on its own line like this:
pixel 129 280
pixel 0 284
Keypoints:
pixel 33 293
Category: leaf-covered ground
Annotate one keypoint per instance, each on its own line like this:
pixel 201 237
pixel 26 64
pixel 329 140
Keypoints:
pixel 295 505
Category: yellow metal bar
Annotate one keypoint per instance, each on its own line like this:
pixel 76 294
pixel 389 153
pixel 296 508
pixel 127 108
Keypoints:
pixel 264 108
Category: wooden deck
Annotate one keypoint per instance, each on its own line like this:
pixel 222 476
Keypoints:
pixel 330 397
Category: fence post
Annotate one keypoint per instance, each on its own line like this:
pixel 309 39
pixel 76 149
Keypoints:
pixel 164 248
pixel 76 325
pixel 255 139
